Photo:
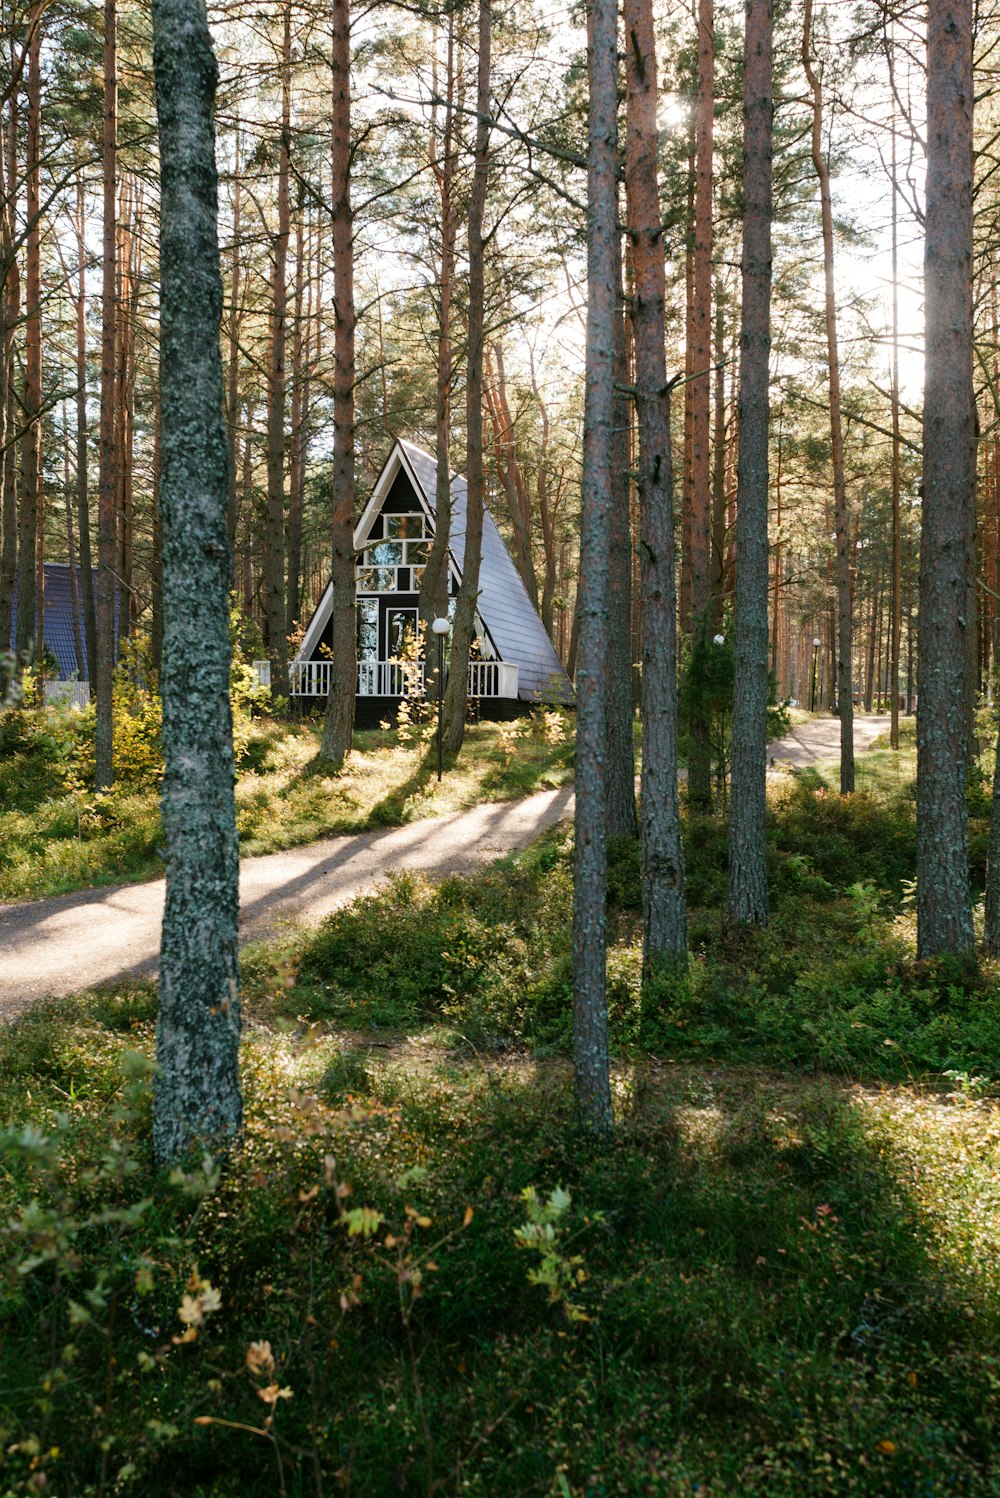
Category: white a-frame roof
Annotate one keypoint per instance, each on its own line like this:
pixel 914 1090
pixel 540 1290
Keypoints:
pixel 505 607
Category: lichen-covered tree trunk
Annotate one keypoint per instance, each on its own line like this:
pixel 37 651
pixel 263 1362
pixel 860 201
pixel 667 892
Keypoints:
pixel 663 903
pixel 747 849
pixel 897 592
pixel 991 921
pixel 107 512
pixel 338 725
pixel 197 1095
pixel 30 594
pixel 434 585
pixel 844 636
pixel 622 817
pixel 944 915
pixel 273 588
pixel 82 485
pixel 590 1010
pixel 457 690
pixel 700 332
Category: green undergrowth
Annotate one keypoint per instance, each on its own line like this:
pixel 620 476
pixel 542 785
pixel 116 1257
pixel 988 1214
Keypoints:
pixel 57 834
pixel 830 984
pixel 416 1277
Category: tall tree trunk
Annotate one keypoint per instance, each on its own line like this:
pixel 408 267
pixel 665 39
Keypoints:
pixel 590 1012
pixel 747 836
pixel 845 703
pixel 233 333
pixel 897 611
pixel 457 689
pixel 30 593
pixel 74 585
pixel 107 517
pixel 8 321
pixel 296 470
pixel 197 1092
pixel 12 316
pixel 82 486
pixel 274 531
pixel 434 585
pixel 338 726
pixel 944 915
pixel 664 910
pixel 619 787
pixel 700 754
pixel 687 500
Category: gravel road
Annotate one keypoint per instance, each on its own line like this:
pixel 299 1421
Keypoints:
pixel 58 946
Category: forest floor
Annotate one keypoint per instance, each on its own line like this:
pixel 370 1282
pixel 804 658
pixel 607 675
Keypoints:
pixel 58 946
pixel 780 1278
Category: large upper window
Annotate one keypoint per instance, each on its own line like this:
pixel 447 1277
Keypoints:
pixel 394 555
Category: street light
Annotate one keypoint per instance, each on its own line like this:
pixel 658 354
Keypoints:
pixel 816 644
pixel 440 627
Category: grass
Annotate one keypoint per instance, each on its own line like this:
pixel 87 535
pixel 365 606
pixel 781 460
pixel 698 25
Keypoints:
pixel 765 1286
pixel 779 1279
pixel 56 835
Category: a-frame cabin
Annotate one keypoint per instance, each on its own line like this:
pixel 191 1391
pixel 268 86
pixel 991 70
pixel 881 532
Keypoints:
pixel 514 662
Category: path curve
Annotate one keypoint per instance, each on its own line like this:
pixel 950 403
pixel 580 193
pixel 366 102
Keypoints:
pixel 58 946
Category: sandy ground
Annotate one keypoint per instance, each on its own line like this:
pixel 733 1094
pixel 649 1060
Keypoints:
pixel 58 946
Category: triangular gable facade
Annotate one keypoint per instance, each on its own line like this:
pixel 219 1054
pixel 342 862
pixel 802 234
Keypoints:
pixel 512 632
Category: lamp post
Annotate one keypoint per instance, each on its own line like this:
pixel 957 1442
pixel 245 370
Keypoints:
pixel 812 705
pixel 440 627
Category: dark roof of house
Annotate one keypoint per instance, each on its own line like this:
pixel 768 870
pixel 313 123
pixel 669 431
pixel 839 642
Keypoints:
pixel 58 621
pixel 505 606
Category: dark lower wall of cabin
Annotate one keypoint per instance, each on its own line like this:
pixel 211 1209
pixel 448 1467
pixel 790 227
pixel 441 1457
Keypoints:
pixel 369 712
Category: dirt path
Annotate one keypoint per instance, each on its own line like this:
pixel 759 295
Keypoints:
pixel 59 946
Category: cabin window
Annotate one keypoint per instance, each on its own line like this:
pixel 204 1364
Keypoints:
pixel 376 579
pixel 385 554
pixel 417 551
pixel 401 527
pixel 368 629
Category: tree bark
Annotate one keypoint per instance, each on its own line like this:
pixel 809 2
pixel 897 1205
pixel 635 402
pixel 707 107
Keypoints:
pixel 30 592
pixel 590 1013
pixel 622 818
pixel 944 915
pixel 845 701
pixel 663 903
pixel 275 638
pixel 82 485
pixel 197 1093
pixel 457 689
pixel 338 725
pixel 296 467
pixel 747 831
pixel 235 319
pixel 108 479
pixel 435 583
pixel 897 611
pixel 700 754
pixel 12 309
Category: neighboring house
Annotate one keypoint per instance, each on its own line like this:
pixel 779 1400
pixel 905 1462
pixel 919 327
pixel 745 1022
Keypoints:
pixel 60 633
pixel 513 662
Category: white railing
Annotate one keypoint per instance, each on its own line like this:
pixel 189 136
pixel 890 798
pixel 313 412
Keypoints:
pixel 492 679
pixel 393 679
